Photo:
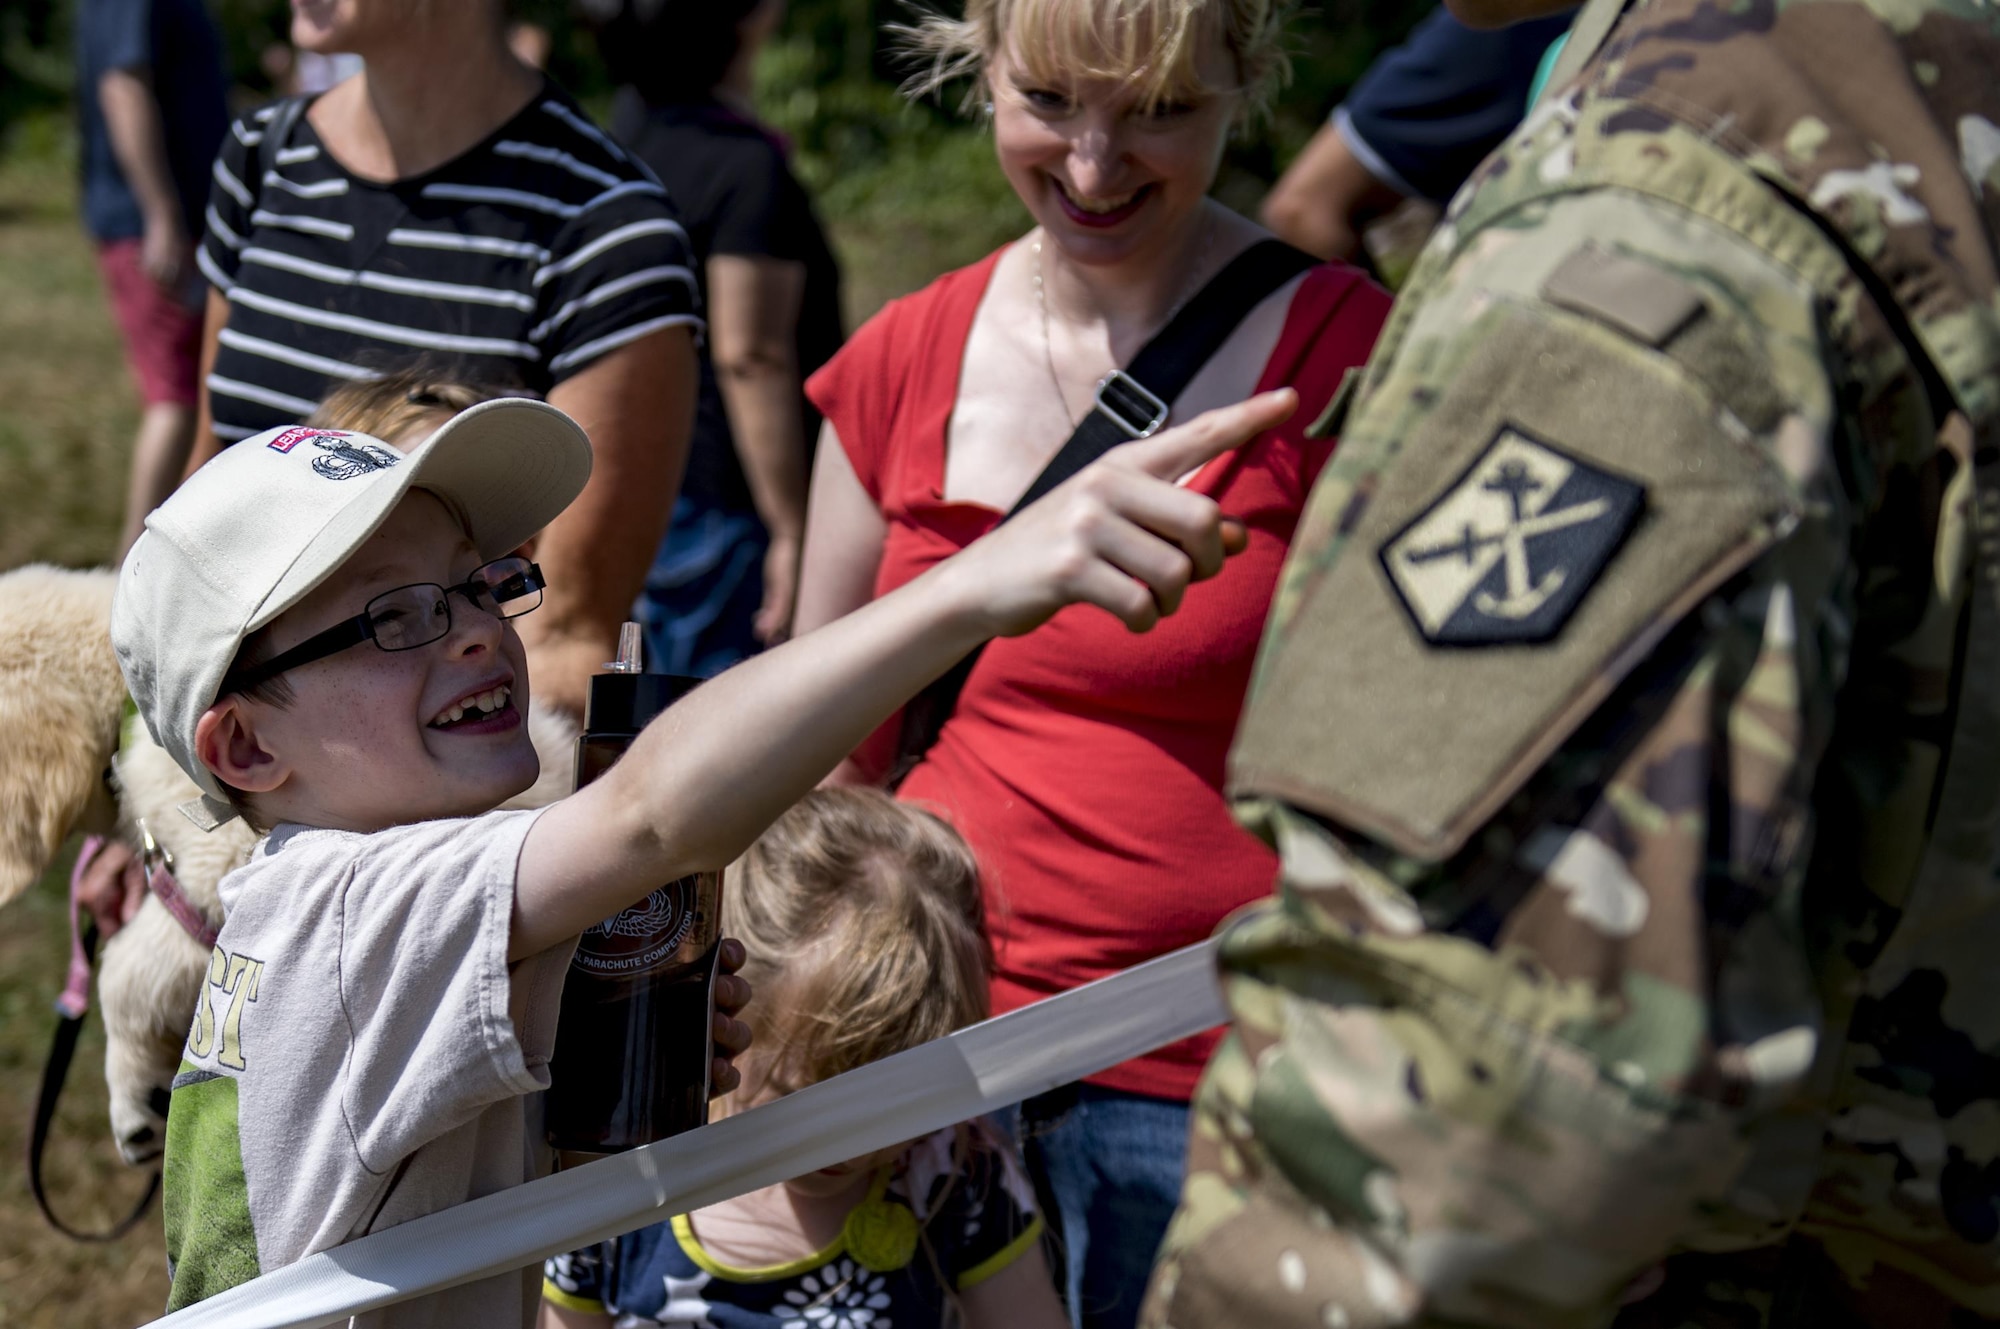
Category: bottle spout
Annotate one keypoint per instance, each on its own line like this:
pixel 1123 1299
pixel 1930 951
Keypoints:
pixel 631 652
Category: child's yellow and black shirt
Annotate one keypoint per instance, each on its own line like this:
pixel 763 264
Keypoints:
pixel 929 1222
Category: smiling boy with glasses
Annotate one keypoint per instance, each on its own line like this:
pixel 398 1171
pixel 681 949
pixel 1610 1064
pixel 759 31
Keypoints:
pixel 317 629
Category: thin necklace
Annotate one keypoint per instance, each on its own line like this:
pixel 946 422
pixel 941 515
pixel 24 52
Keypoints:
pixel 1188 289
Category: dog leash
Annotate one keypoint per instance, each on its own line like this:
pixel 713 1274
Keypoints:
pixel 72 1006
pixel 166 888
pixel 74 1002
pixel 158 861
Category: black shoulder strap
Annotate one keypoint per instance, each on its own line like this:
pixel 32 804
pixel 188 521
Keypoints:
pixel 1131 403
pixel 277 132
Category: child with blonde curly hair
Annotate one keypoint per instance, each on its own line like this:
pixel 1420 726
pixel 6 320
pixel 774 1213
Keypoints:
pixel 861 917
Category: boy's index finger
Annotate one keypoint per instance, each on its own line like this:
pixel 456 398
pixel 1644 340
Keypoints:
pixel 1185 448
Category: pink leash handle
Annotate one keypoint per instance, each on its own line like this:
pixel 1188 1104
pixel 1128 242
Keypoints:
pixel 75 998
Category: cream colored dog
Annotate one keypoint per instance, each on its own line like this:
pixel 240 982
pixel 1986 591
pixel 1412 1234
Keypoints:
pixel 61 697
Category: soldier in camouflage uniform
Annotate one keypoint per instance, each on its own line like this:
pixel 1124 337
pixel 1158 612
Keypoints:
pixel 1629 725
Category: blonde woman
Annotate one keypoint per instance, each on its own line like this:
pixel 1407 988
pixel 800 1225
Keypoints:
pixel 860 916
pixel 1084 764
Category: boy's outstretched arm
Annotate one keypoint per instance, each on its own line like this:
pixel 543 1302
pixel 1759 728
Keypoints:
pixel 706 778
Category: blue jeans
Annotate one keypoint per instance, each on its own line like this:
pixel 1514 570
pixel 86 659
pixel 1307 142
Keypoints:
pixel 703 591
pixel 1107 1167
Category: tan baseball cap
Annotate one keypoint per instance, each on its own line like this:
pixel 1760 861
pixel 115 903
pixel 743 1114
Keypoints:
pixel 257 528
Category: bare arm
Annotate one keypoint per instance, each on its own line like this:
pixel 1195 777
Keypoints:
pixel 138 141
pixel 206 444
pixel 706 778
pixel 1325 197
pixel 1021 1296
pixel 753 327
pixel 637 405
pixel 844 535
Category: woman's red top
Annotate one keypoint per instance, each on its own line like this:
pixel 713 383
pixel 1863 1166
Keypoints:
pixel 1084 764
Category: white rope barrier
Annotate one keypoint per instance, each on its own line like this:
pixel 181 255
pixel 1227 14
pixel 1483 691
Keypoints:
pixel 972 1072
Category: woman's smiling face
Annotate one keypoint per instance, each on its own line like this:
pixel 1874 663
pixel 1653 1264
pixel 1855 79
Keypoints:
pixel 1109 177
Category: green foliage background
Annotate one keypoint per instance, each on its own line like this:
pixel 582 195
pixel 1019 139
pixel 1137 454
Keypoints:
pixel 908 190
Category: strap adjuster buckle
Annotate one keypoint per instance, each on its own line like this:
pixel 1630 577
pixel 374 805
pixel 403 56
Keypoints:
pixel 153 855
pixel 1126 403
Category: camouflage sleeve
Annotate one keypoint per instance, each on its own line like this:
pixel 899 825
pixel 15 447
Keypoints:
pixel 1535 732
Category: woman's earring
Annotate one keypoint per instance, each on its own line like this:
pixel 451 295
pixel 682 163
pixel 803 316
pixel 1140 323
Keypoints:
pixel 989 110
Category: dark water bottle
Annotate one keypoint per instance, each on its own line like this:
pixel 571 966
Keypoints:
pixel 635 1038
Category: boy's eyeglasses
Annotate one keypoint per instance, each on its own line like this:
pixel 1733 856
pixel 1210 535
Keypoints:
pixel 409 617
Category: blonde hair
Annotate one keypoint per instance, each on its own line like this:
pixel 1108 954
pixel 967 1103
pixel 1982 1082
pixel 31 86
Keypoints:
pixel 394 405
pixel 1148 45
pixel 861 918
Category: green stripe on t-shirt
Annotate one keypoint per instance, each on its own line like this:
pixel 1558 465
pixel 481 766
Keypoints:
pixel 211 1245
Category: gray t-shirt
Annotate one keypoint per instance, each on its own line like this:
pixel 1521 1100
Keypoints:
pixel 362 1055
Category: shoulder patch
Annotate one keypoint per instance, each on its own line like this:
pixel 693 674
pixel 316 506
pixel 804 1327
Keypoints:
pixel 1558 498
pixel 1506 553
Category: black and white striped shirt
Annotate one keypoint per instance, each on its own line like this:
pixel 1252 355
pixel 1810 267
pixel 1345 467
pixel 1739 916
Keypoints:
pixel 522 260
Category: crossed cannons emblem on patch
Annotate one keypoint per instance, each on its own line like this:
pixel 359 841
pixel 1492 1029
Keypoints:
pixel 1506 553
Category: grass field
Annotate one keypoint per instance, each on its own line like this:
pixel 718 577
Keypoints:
pixel 67 411
pixel 66 407
pixel 66 416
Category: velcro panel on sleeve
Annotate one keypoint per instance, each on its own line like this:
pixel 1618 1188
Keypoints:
pixel 1571 496
pixel 1641 299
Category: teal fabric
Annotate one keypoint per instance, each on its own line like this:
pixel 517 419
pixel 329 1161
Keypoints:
pixel 1545 69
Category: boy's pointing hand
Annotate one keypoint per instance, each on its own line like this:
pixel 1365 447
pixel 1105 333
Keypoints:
pixel 1120 534
pixel 700 784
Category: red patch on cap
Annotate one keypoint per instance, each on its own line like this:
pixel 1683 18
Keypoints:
pixel 298 434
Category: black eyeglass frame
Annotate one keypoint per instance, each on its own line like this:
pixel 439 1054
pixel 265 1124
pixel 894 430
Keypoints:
pixel 360 628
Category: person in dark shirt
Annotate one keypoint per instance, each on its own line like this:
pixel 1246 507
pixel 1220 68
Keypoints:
pixel 1422 116
pixel 726 576
pixel 151 111
pixel 450 199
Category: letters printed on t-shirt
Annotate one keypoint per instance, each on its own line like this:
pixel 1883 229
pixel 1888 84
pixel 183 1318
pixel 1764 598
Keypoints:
pixel 233 982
